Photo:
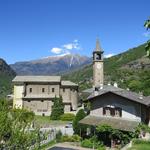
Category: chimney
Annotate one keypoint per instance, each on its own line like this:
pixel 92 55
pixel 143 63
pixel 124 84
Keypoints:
pixel 140 95
pixel 109 83
pixel 115 84
pixel 101 86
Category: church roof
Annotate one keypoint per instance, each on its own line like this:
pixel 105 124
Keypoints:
pixel 37 79
pixel 118 91
pixel 114 122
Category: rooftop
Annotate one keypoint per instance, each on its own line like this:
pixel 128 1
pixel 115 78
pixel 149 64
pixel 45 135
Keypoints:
pixel 118 91
pixel 116 123
pixel 37 79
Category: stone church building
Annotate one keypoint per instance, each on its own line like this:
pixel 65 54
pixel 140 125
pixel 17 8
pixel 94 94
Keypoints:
pixel 36 93
pixel 119 108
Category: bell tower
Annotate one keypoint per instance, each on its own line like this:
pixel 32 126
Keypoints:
pixel 98 75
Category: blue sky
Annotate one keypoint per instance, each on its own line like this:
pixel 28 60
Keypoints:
pixel 32 29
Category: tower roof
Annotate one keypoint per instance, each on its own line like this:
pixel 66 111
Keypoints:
pixel 98 47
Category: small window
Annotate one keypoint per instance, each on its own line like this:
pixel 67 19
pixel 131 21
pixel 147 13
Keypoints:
pixel 53 90
pixel 29 101
pixel 42 100
pixel 43 90
pixel 63 89
pixel 30 90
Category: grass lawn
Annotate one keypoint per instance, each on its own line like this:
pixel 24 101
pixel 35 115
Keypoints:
pixel 44 121
pixel 145 146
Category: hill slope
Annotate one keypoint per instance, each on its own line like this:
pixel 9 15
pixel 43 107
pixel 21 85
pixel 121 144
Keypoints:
pixel 130 69
pixel 6 75
pixel 51 65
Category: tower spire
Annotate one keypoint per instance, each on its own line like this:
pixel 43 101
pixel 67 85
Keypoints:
pixel 98 47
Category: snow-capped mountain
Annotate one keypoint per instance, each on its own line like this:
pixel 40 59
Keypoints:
pixel 51 65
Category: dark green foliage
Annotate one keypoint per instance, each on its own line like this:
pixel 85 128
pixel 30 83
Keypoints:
pixel 57 109
pixel 58 136
pixel 5 85
pixel 78 128
pixel 147 24
pixel 67 117
pixel 106 133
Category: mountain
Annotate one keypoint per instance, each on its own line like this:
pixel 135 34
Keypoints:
pixel 6 76
pixel 130 69
pixel 51 65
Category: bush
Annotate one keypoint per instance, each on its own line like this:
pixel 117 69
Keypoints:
pixel 58 136
pixel 73 138
pixel 89 143
pixel 67 117
pixel 78 128
pixel 140 141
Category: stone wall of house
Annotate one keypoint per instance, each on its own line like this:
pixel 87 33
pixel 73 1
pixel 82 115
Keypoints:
pixel 74 99
pixel 130 110
pixel 48 89
pixel 65 92
pixel 39 107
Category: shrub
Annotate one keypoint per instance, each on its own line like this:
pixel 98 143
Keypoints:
pixel 87 143
pixel 140 141
pixel 76 138
pixel 78 128
pixel 67 117
pixel 58 136
pixel 73 138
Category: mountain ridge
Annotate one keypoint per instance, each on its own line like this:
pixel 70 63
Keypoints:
pixel 51 65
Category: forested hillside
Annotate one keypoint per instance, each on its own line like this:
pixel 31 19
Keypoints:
pixel 130 69
pixel 6 76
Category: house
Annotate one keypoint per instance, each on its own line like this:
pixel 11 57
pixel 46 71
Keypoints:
pixel 119 108
pixel 36 93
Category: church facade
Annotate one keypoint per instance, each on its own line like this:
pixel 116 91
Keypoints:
pixel 119 108
pixel 36 93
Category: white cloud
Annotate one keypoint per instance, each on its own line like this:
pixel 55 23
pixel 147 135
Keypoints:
pixel 108 55
pixel 56 50
pixel 72 45
pixel 69 46
pixel 75 41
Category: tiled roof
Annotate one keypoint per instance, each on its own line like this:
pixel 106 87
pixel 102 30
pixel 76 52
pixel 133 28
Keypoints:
pixel 37 79
pixel 118 91
pixel 68 83
pixel 116 123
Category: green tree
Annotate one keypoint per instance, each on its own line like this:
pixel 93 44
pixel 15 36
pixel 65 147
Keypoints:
pixel 147 47
pixel 57 109
pixel 78 128
pixel 135 85
pixel 14 128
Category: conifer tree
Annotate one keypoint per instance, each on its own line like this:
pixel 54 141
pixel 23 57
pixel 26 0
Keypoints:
pixel 57 108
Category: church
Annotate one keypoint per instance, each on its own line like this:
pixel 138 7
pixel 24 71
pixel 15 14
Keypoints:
pixel 36 93
pixel 111 105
